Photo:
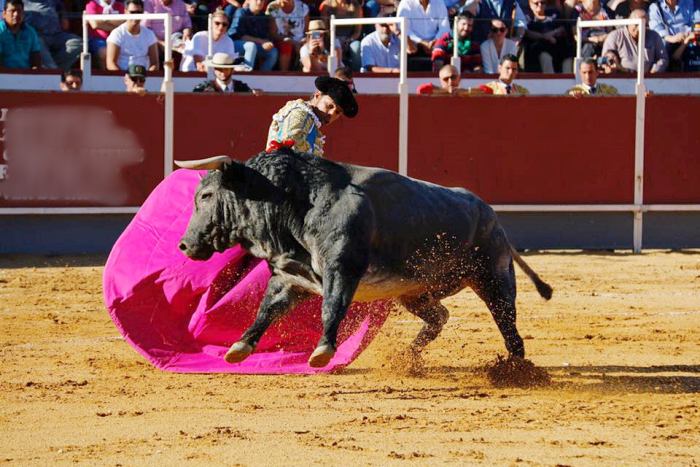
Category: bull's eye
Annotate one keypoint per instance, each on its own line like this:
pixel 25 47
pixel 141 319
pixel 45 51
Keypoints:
pixel 204 196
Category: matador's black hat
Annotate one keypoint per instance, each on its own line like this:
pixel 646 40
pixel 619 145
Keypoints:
pixel 340 92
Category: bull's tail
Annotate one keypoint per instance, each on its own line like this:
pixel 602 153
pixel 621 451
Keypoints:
pixel 544 289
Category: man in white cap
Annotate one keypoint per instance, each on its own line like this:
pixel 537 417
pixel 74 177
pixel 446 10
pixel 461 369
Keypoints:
pixel 223 65
pixel 297 125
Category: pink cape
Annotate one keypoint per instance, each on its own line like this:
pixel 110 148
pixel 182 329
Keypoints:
pixel 182 315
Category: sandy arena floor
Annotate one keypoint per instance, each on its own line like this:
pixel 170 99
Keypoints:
pixel 620 338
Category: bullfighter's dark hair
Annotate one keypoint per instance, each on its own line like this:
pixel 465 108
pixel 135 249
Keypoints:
pixel 14 3
pixel 508 58
pixel 135 2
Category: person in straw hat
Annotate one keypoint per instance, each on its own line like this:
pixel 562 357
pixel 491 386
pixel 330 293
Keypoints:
pixel 297 125
pixel 314 53
pixel 223 65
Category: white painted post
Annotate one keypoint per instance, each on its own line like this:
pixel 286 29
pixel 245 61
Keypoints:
pixel 168 89
pixel 403 102
pixel 332 59
pixel 640 89
pixel 455 60
pixel 210 48
pixel 85 58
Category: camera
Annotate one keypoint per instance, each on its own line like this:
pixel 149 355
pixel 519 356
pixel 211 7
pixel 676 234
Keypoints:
pixel 603 61
pixel 315 34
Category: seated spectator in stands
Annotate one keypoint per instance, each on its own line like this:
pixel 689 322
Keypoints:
pixel 344 73
pixel 381 49
pixel 509 12
pixel 291 20
pixel 59 49
pixel 223 64
pixel 135 79
pixel 589 82
pixel 197 48
pixel 592 38
pixel 19 42
pixel 349 36
pixel 182 25
pixel 98 31
pixel 622 9
pixel 546 42
pixel 609 63
pixel 250 30
pixel 449 85
pixel 624 42
pixel 673 21
pixel 71 80
pixel 507 72
pixel 467 50
pixel 688 52
pixel 427 21
pixel 496 47
pixel 315 51
pixel 130 43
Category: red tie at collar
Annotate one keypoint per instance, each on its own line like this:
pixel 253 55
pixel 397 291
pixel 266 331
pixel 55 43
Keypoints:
pixel 276 145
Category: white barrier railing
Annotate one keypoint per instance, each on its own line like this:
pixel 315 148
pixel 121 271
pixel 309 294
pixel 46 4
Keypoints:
pixel 167 88
pixel 403 69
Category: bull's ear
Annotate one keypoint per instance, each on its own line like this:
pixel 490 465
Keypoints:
pixel 210 163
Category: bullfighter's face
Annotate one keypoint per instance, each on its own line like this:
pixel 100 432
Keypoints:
pixel 208 230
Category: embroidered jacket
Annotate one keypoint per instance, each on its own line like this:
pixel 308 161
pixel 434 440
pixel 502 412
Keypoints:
pixel 297 121
pixel 499 89
pixel 601 90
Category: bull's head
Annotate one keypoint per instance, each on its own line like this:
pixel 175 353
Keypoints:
pixel 211 227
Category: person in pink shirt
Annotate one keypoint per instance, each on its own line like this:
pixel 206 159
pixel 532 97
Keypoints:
pixel 182 24
pixel 99 30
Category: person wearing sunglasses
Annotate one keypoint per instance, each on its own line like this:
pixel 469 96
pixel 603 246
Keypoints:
pixel 250 31
pixel 196 49
pixel 496 47
pixel 505 85
pixel 135 79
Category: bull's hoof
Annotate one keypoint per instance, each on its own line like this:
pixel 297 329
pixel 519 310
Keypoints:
pixel 238 352
pixel 321 356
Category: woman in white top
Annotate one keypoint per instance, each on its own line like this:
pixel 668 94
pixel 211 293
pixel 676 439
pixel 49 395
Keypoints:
pixel 493 49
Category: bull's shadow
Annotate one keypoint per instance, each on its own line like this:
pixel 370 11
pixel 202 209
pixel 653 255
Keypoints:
pixel 608 379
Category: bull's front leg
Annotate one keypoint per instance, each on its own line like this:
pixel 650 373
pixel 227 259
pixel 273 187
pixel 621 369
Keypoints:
pixel 339 287
pixel 280 297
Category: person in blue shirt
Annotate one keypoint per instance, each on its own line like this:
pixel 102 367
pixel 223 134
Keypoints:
pixel 19 42
pixel 250 31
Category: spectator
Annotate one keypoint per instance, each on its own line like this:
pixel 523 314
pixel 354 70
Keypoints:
pixel 315 51
pixel 71 80
pixel 19 42
pixel 546 42
pixel 507 72
pixel 349 36
pixel 624 42
pixel 508 11
pixel 467 50
pixel 131 43
pixel 589 82
pixel 688 52
pixel 59 49
pixel 496 47
pixel 299 122
pixel 182 25
pixel 223 64
pixel 291 20
pixel 673 21
pixel 197 48
pixel 381 49
pixel 609 63
pixel 592 38
pixel 344 73
pixel 250 30
pixel 623 9
pixel 99 30
pixel 427 22
pixel 135 79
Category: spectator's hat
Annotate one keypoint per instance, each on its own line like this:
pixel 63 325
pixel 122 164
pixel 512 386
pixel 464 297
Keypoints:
pixel 317 25
pixel 339 91
pixel 136 71
pixel 223 60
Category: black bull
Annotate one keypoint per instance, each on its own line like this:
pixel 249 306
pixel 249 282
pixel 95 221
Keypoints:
pixel 352 233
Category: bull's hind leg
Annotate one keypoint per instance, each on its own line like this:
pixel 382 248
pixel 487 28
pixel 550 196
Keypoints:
pixel 432 313
pixel 279 299
pixel 495 285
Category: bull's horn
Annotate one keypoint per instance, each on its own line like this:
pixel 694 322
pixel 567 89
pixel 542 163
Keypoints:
pixel 210 163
